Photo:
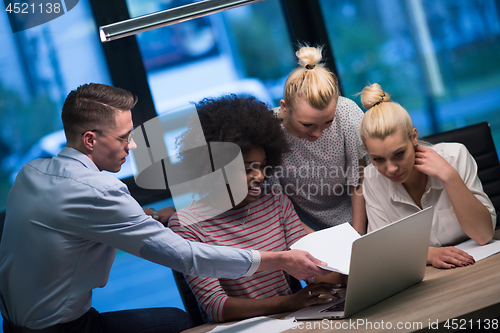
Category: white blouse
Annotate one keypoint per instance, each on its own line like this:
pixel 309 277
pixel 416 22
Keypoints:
pixel 387 202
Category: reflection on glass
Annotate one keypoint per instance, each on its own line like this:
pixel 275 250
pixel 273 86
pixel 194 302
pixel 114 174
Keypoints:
pixel 207 175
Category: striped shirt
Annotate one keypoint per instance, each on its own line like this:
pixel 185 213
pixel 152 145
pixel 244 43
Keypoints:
pixel 268 224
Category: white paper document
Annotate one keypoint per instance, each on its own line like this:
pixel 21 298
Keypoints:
pixel 257 324
pixel 480 251
pixel 332 245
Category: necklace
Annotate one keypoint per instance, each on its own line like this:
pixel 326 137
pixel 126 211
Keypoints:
pixel 246 217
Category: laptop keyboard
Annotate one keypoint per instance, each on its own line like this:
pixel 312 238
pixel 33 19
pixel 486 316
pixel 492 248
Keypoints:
pixel 335 307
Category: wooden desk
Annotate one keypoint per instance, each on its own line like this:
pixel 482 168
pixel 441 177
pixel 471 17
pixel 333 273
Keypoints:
pixel 470 294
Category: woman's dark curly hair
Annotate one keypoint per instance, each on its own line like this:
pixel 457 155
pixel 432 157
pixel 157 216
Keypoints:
pixel 245 121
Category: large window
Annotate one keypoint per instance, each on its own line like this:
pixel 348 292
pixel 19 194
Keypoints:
pixel 438 59
pixel 242 50
pixel 38 68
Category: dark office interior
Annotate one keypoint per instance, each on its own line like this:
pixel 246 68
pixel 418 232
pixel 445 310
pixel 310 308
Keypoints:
pixel 439 59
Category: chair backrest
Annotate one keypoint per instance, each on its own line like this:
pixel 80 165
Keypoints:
pixel 478 140
pixel 188 298
pixel 191 304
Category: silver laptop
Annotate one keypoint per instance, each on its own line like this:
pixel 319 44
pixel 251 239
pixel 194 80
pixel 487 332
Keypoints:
pixel 383 263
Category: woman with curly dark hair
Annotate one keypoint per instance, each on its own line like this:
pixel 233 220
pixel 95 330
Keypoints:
pixel 262 221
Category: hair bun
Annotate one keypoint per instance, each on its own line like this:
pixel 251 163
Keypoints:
pixel 373 95
pixel 309 56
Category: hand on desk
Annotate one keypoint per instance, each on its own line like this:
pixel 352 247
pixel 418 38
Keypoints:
pixel 448 257
pixel 237 308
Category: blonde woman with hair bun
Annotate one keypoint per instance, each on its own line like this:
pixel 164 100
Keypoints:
pixel 320 174
pixel 406 177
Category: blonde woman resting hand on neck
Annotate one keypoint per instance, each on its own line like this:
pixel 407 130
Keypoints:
pixel 405 177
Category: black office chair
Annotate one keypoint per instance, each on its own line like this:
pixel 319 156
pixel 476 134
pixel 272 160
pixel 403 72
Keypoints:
pixel 478 140
pixel 188 299
pixel 191 304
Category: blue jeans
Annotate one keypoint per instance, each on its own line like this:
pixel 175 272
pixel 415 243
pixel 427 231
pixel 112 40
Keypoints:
pixel 165 320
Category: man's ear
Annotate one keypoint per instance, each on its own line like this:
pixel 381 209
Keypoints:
pixel 88 140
